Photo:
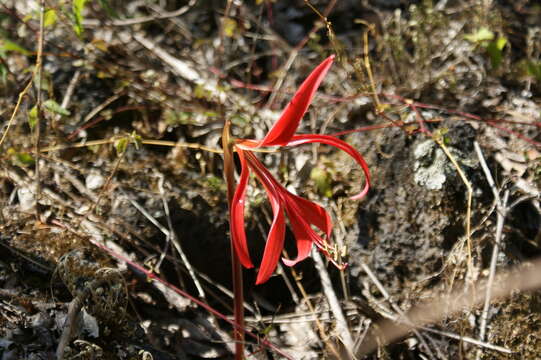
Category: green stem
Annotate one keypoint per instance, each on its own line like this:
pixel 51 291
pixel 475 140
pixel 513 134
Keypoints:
pixel 238 298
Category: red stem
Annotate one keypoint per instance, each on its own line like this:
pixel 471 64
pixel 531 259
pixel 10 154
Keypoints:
pixel 236 267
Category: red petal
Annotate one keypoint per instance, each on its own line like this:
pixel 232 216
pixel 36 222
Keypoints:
pixel 236 220
pixel 314 214
pixel 275 238
pixel 273 247
pixel 287 124
pixel 305 236
pixel 333 141
pixel 302 214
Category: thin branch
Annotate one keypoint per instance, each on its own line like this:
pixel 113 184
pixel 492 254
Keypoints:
pixel 143 141
pixel 488 174
pixel 22 94
pixel 469 188
pixel 319 325
pixel 173 237
pixel 502 213
pixel 93 113
pixel 396 308
pixel 39 102
pixel 70 324
pixel 341 324
pixel 67 96
pixel 467 339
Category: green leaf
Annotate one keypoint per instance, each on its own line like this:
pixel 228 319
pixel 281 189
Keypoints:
pixel 214 183
pixel 239 120
pixel 495 51
pixel 25 158
pixel 173 117
pixel 54 107
pixel 121 145
pixel 3 73
pixel 136 139
pixel 230 27
pixel 33 117
pixel 266 331
pixel 534 69
pixel 201 93
pixel 49 18
pixel 486 38
pixel 482 35
pixel 20 158
pixel 501 42
pixel 77 8
pixel 108 9
pixel 322 179
pixel 8 45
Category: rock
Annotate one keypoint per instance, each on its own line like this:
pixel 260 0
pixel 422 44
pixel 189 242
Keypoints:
pixel 94 180
pixel 27 200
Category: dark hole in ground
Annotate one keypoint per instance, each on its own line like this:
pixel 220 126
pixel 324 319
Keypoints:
pixel 207 247
pixel 367 221
pixel 525 217
pixel 451 234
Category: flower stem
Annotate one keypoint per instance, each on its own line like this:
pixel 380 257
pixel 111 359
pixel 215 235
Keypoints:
pixel 238 298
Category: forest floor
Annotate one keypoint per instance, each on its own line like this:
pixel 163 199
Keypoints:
pixel 125 105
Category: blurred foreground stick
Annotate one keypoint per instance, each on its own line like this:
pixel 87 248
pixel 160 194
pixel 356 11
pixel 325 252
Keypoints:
pixel 522 278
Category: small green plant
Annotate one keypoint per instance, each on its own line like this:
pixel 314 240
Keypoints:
pixel 322 179
pixel 493 45
pixel 49 18
pixel 77 12
pixel 21 158
pixel 533 69
pixel 7 46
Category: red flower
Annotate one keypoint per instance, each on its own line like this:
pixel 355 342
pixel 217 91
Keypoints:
pixel 302 213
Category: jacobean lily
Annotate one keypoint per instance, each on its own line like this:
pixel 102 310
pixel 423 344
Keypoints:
pixel 302 213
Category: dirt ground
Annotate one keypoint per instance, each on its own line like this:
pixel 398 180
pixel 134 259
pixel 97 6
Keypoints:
pixel 125 105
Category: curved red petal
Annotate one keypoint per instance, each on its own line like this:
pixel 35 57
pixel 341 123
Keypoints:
pixel 342 145
pixel 305 236
pixel 302 214
pixel 275 238
pixel 236 220
pixel 273 247
pixel 314 214
pixel 284 128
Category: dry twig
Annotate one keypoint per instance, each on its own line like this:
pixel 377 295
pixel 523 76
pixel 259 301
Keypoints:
pixel 502 213
pixel 342 327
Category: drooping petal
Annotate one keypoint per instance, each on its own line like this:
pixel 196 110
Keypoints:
pixel 333 141
pixel 302 215
pixel 276 236
pixel 238 233
pixel 313 213
pixel 273 247
pixel 287 124
pixel 305 236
